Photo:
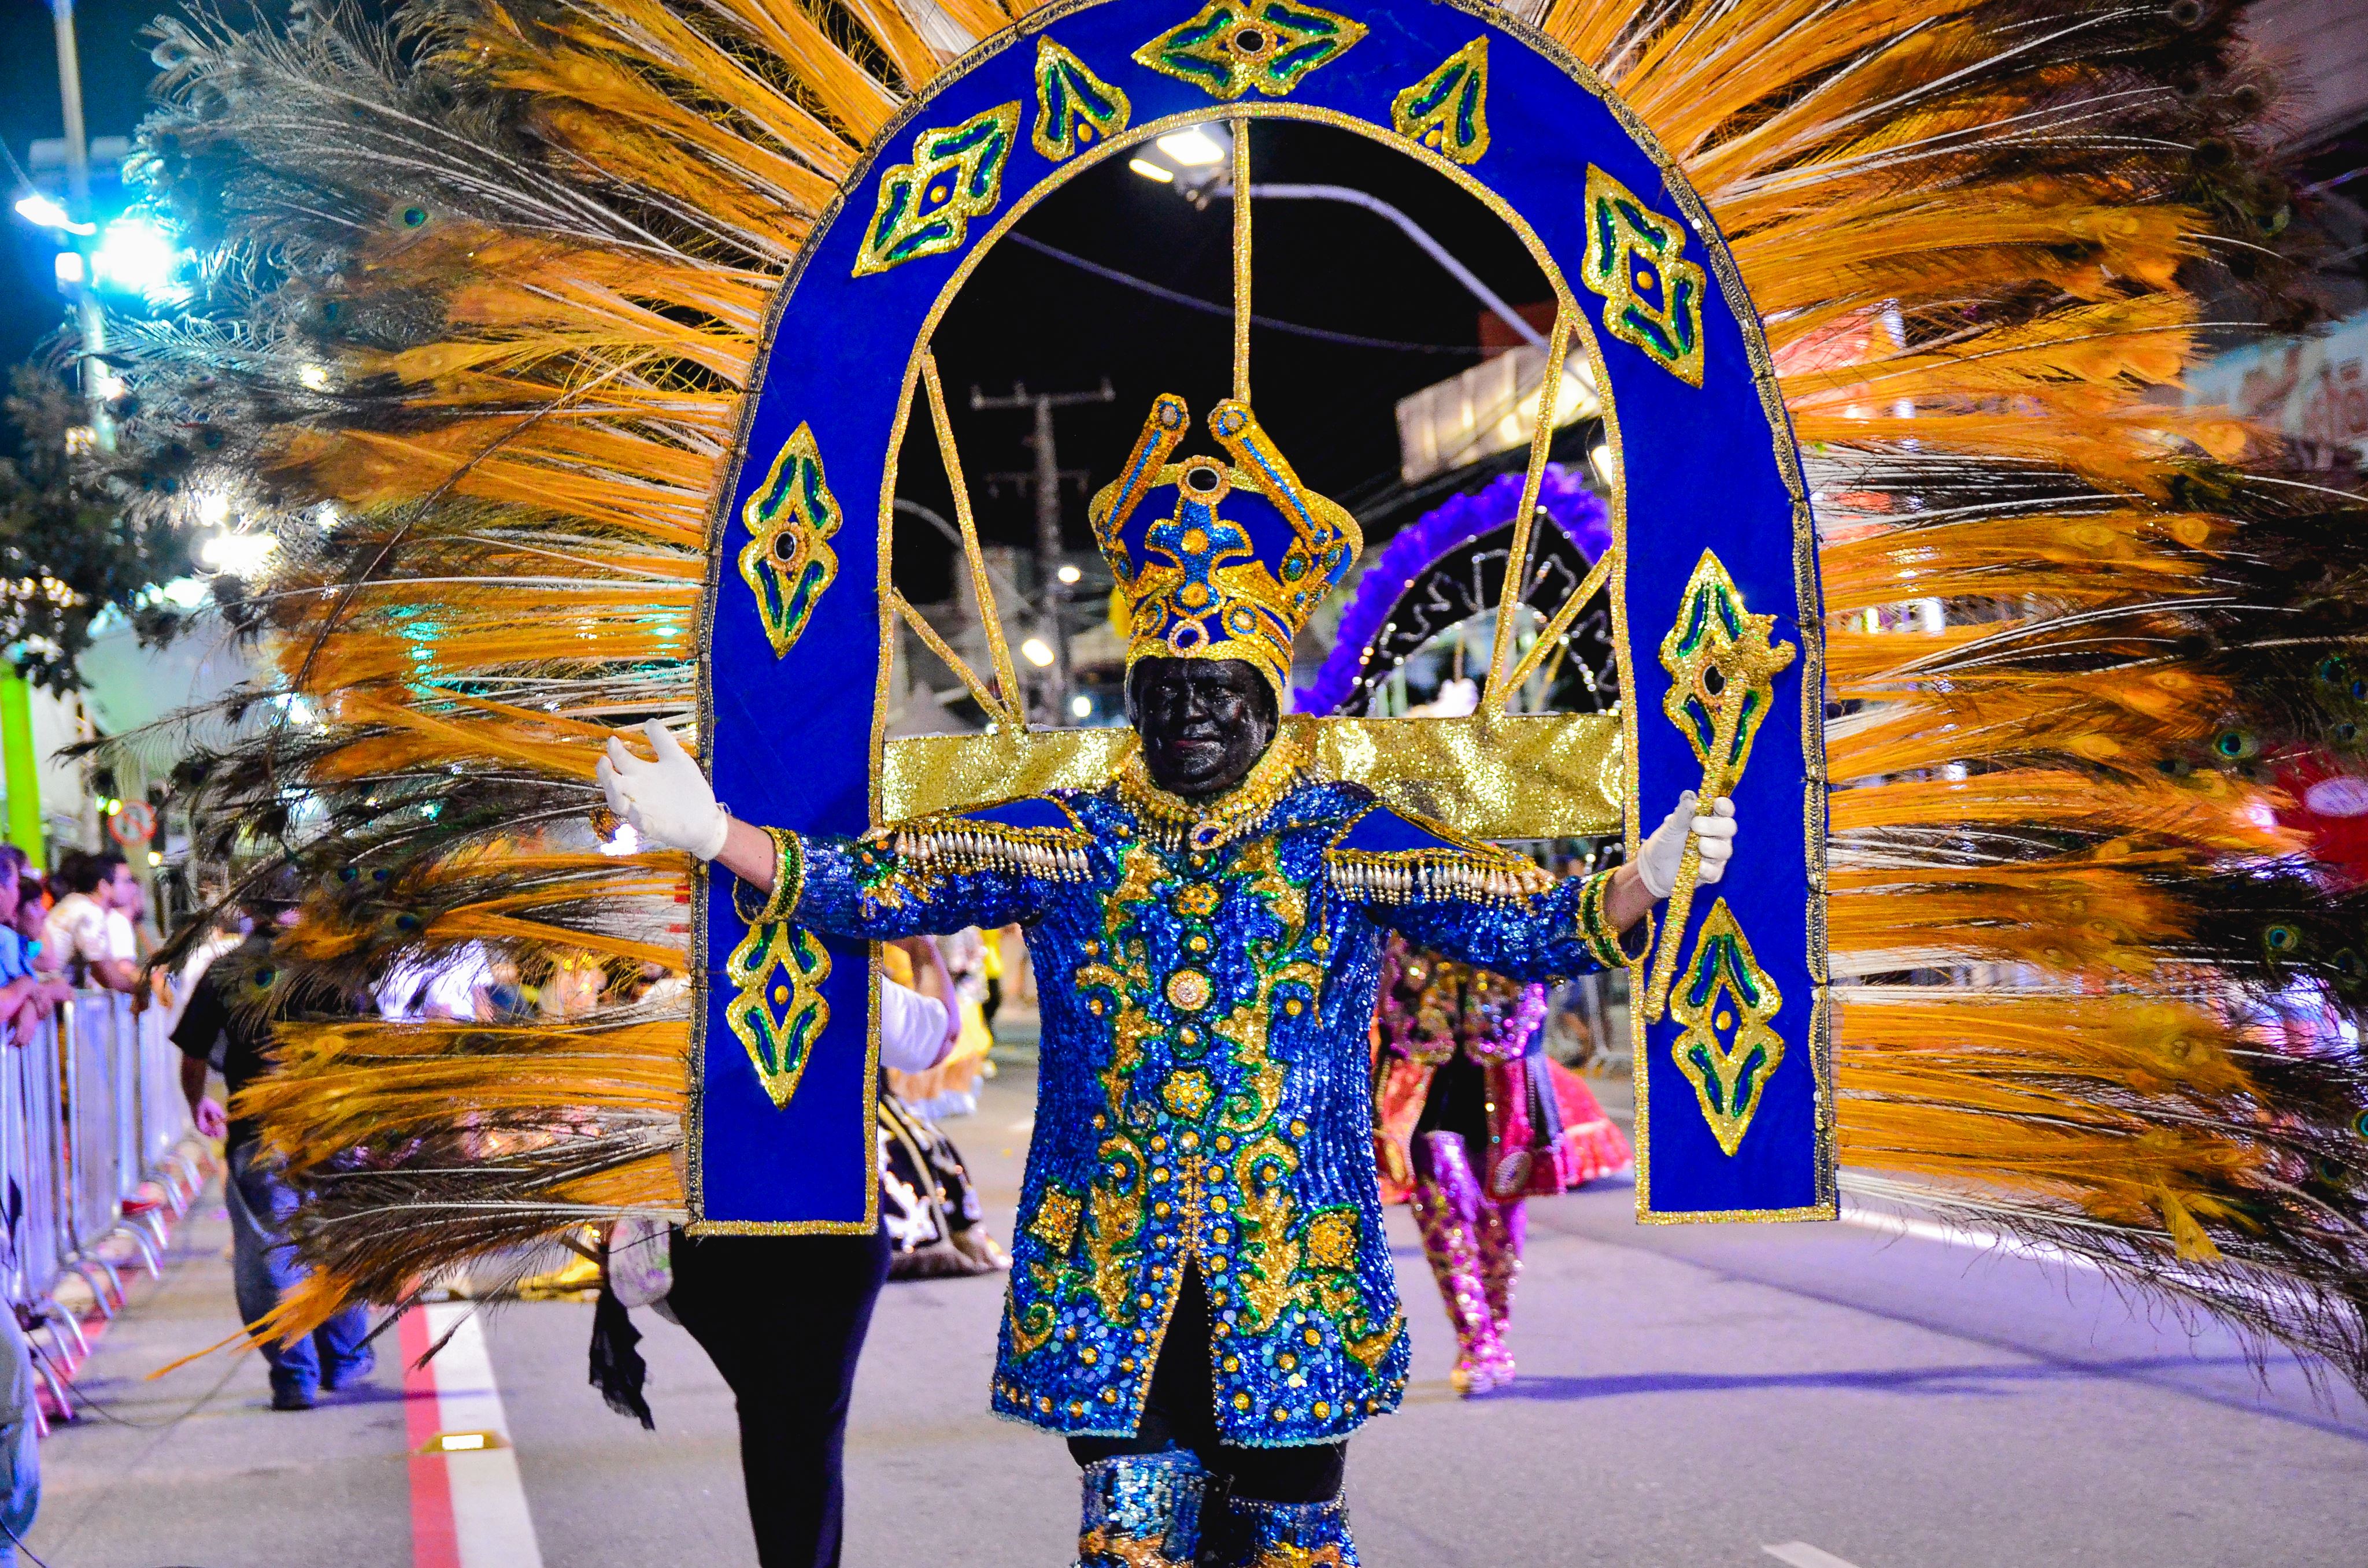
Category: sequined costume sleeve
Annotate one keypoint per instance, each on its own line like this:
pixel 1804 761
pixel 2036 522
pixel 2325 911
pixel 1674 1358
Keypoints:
pixel 994 867
pixel 1477 904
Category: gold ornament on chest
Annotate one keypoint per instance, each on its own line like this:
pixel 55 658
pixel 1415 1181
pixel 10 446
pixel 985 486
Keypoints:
pixel 1188 990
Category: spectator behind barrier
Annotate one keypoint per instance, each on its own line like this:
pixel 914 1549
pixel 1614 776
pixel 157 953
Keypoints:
pixel 79 926
pixel 32 925
pixel 26 997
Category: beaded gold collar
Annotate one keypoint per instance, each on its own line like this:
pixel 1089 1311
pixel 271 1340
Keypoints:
pixel 1179 824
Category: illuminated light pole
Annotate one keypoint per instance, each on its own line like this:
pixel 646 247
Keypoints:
pixel 85 303
pixel 1197 161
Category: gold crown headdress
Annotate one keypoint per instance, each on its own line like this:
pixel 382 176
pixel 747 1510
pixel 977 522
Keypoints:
pixel 1219 562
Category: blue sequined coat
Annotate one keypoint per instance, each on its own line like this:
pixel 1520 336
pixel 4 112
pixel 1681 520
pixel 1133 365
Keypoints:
pixel 1207 984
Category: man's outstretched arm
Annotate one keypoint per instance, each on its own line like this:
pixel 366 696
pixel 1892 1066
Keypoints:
pixel 865 887
pixel 1575 928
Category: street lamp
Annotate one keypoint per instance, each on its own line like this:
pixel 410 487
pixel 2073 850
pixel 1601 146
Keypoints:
pixel 240 554
pixel 1197 161
pixel 134 257
pixel 45 212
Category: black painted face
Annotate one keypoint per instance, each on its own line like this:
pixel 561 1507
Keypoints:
pixel 1204 722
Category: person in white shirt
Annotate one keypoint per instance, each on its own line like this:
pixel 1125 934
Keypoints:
pixel 77 929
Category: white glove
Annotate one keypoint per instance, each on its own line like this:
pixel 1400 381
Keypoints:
pixel 668 802
pixel 1657 863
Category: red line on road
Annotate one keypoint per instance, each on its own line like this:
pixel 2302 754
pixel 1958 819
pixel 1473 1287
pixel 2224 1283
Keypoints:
pixel 435 1543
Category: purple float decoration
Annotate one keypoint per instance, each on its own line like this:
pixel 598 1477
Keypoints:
pixel 1577 511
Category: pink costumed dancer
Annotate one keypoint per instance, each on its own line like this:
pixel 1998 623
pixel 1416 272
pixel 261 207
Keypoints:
pixel 1472 1119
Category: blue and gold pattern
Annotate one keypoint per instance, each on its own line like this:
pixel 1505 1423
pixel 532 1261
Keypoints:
pixel 787 562
pixel 777 1008
pixel 1727 1051
pixel 1447 111
pixel 926 206
pixel 1073 105
pixel 1218 562
pixel 1202 1096
pixel 1652 294
pixel 839 352
pixel 1722 663
pixel 1232 47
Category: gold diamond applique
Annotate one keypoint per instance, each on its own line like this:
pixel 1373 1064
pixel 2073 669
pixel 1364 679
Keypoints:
pixel 1233 47
pixel 1332 1239
pixel 1056 1219
pixel 1727 1051
pixel 779 1011
pixel 787 561
pixel 926 206
pixel 1635 259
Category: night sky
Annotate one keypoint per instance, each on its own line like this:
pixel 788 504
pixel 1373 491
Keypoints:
pixel 115 76
pixel 1330 407
pixel 1025 316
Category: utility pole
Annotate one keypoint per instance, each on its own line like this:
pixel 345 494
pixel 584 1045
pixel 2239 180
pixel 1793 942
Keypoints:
pixel 1044 481
pixel 86 302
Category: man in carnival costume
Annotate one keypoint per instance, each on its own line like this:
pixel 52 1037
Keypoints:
pixel 1201 1298
pixel 528 333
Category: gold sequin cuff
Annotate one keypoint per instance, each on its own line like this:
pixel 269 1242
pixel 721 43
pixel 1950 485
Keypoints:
pixel 1595 928
pixel 789 882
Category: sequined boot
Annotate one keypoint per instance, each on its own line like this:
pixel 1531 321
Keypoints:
pixel 1504 1225
pixel 1446 1208
pixel 1283 1535
pixel 1142 1511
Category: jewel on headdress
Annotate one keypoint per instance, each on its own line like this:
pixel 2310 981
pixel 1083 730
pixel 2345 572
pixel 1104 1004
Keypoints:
pixel 1219 561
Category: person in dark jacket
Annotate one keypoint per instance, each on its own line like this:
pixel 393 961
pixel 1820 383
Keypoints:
pixel 263 1265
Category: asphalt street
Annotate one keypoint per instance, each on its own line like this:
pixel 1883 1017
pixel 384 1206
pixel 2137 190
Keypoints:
pixel 1689 1397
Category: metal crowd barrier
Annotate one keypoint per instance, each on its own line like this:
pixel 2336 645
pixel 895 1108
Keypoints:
pixel 93 1126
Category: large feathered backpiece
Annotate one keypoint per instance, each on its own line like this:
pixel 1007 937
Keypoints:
pixel 481 293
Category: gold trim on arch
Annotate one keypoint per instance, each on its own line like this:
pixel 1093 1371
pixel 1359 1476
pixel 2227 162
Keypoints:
pixel 1786 452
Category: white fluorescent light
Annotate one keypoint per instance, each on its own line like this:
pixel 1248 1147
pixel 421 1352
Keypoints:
pixel 43 212
pixel 1036 652
pixel 237 553
pixel 1069 575
pixel 1081 706
pixel 136 257
pixel 1192 147
pixel 1151 171
pixel 70 267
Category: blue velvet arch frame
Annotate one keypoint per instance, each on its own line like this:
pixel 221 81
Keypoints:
pixel 796 739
